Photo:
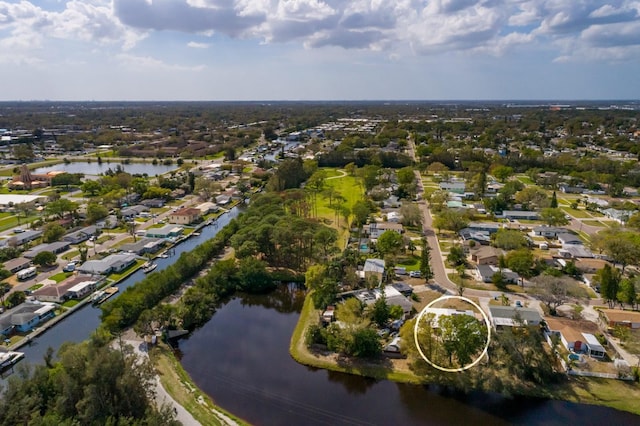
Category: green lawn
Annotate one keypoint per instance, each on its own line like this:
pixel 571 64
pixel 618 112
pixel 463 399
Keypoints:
pixel 70 303
pixel 594 222
pixel 580 214
pixel 349 188
pixel 118 276
pixel 12 221
pixel 60 276
pixel 70 255
pixel 525 179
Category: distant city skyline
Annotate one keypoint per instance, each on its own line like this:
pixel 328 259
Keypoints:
pixel 112 50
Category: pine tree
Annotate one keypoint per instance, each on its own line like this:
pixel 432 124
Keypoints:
pixel 425 261
pixel 554 201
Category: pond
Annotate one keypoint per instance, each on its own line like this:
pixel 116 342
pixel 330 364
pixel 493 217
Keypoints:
pixel 94 168
pixel 240 358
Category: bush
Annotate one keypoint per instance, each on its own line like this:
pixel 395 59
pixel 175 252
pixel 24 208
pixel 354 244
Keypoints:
pixel 314 336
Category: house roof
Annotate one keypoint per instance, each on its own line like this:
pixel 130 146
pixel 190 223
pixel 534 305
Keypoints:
pixel 374 265
pixel 62 287
pixel 567 238
pixel 570 329
pixel 484 252
pixel 617 315
pixel 187 211
pixel 527 315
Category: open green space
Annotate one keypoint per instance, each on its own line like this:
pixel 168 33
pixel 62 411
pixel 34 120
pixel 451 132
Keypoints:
pixel 60 276
pixel 594 222
pixel 525 179
pixel 580 214
pixel 70 303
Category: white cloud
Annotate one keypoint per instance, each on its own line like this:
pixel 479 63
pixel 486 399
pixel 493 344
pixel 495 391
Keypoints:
pixel 147 63
pixel 196 45
pixel 423 27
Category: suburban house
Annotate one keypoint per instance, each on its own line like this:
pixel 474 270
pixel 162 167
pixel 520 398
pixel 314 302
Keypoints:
pixel 153 203
pixel 620 216
pixel 17 264
pixel 82 235
pixel 81 290
pixel 59 292
pixel 25 237
pixel 207 207
pixel 457 187
pixel 510 316
pixel 222 199
pixel 167 231
pixel 485 274
pixel 575 251
pixel 520 215
pixel 374 267
pixel 479 236
pixel 185 216
pixel 55 248
pixel 485 255
pixel 108 265
pixel 144 246
pixel 25 317
pixel 488 227
pixel 108 222
pixel 394 217
pixel 567 238
pixel 392 296
pixel 548 231
pixel 617 317
pixel 375 229
pixel 133 211
pixel 575 340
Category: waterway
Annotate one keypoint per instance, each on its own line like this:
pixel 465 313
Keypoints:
pixel 78 326
pixel 240 359
pixel 94 168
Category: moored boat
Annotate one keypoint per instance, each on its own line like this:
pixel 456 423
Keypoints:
pixel 148 267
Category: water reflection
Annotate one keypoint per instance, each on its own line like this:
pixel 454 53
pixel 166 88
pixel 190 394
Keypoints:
pixel 240 358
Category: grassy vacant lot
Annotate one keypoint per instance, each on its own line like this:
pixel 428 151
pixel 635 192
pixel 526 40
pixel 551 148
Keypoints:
pixel 594 222
pixel 580 214
pixel 179 385
pixel 350 189
pixel 60 276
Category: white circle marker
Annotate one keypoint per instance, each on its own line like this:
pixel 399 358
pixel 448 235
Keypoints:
pixel 433 364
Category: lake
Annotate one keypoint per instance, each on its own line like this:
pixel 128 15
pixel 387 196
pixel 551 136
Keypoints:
pixel 94 168
pixel 240 358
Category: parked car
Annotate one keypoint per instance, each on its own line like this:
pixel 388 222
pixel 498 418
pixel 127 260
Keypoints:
pixel 69 267
pixel 415 274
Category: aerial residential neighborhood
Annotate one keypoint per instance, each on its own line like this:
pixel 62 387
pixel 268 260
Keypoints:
pixel 407 231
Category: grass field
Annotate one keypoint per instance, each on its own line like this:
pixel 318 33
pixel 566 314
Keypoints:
pixel 594 222
pixel 349 188
pixel 60 276
pixel 580 214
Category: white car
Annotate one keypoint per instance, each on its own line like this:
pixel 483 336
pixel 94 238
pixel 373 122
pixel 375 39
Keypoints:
pixel 415 274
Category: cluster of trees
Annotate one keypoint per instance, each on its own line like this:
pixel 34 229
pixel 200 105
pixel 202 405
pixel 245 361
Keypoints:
pixel 354 334
pixel 518 362
pixel 91 383
pixel 199 302
pixel 615 288
pixel 273 232
pixel 622 246
pixel 125 310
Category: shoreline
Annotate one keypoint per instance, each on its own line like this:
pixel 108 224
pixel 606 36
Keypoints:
pixel 580 390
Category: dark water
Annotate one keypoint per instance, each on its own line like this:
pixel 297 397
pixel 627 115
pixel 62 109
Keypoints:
pixel 79 326
pixel 241 359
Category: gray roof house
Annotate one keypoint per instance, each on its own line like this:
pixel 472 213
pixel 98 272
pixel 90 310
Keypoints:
pixel 111 263
pixel 548 231
pixel 569 239
pixel 25 237
pixel 133 211
pixel 57 247
pixel 486 272
pixel 520 215
pixel 18 264
pixel 143 246
pixel 509 316
pixel 82 235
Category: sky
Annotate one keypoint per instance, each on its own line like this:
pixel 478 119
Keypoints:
pixel 111 50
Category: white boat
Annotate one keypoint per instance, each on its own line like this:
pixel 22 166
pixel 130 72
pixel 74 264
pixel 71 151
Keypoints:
pixel 98 297
pixel 8 359
pixel 148 267
pixel 164 256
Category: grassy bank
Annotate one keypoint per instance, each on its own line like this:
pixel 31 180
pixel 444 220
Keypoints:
pixel 616 394
pixel 179 385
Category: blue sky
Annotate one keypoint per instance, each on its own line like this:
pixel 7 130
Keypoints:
pixel 319 49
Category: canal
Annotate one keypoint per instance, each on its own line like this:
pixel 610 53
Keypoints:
pixel 240 358
pixel 78 326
